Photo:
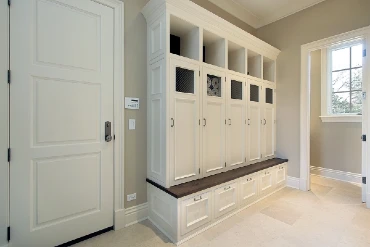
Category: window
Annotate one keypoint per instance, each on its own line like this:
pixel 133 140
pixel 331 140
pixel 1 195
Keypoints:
pixel 346 80
pixel 342 81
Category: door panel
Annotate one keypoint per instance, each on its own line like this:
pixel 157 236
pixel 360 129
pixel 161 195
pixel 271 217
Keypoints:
pixel 269 132
pixel 214 99
pixel 195 212
pixel 248 189
pixel 226 199
pixel 184 122
pixel 254 121
pixel 237 123
pixel 61 97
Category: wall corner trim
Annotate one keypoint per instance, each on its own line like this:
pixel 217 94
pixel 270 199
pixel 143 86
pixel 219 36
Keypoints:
pixel 292 182
pixel 336 174
pixel 136 214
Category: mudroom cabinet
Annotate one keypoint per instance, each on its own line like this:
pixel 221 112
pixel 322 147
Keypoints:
pixel 211 94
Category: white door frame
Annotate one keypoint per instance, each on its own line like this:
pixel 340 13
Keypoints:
pixel 118 125
pixel 306 49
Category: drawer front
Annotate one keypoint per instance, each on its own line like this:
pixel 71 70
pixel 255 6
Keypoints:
pixel 226 199
pixel 195 212
pixel 281 175
pixel 266 181
pixel 248 189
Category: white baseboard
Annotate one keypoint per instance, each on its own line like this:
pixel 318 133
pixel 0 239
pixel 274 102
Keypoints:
pixel 292 182
pixel 136 214
pixel 5 245
pixel 338 175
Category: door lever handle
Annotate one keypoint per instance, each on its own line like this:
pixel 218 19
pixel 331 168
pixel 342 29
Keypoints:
pixel 108 131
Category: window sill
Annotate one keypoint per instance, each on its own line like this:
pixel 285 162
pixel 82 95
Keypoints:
pixel 342 119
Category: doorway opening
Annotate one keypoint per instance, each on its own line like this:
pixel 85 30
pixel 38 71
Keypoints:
pixel 334 110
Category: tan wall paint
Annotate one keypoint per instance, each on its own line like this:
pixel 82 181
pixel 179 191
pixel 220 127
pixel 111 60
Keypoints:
pixel 334 146
pixel 323 20
pixel 136 86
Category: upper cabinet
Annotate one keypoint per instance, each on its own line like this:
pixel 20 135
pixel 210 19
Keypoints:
pixel 201 120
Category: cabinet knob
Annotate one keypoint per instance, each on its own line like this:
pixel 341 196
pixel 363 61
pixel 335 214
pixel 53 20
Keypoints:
pixel 227 188
pixel 172 122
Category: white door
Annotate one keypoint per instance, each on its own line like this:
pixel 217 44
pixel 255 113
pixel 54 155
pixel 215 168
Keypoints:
pixel 237 121
pixel 254 120
pixel 268 123
pixel 365 122
pixel 184 121
pixel 214 130
pixel 61 95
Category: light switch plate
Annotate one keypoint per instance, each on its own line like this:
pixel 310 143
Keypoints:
pixel 131 124
pixel 131 197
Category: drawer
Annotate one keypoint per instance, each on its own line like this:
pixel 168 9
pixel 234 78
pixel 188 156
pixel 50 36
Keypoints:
pixel 195 212
pixel 281 175
pixel 267 181
pixel 248 189
pixel 226 199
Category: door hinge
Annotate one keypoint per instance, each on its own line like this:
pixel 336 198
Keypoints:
pixel 225 121
pixel 364 53
pixel 9 74
pixel 199 73
pixel 364 180
pixel 8 233
pixel 363 138
pixel 225 79
pixel 114 137
pixel 9 154
pixel 199 170
pixel 225 164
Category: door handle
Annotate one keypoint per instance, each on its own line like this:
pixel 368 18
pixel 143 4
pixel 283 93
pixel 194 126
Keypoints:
pixel 265 122
pixel 173 122
pixel 229 121
pixel 108 131
pixel 205 122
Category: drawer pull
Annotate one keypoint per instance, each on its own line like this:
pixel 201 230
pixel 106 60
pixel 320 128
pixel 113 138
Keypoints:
pixel 227 188
pixel 198 199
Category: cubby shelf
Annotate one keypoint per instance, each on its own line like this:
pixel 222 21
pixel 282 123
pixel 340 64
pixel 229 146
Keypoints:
pixel 236 58
pixel 214 49
pixel 268 69
pixel 254 64
pixel 184 38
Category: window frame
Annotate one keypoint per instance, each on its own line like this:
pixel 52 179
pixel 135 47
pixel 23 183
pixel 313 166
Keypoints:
pixel 326 84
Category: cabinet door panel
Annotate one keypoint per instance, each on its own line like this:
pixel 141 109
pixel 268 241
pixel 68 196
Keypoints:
pixel 269 134
pixel 281 175
pixel 236 121
pixel 254 112
pixel 248 189
pixel 213 85
pixel 184 122
pixel 266 181
pixel 226 199
pixel 195 212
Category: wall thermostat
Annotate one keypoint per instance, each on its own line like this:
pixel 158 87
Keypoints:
pixel 132 103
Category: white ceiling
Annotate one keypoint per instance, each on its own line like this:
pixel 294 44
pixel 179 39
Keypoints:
pixel 258 13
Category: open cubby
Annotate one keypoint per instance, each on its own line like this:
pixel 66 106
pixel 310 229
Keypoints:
pixel 254 64
pixel 236 57
pixel 214 49
pixel 184 38
pixel 268 69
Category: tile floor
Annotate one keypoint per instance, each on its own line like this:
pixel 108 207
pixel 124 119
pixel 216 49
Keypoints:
pixel 331 214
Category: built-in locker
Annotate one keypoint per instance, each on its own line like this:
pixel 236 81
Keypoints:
pixel 184 121
pixel 213 121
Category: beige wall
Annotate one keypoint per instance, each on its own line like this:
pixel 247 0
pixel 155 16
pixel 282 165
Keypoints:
pixel 323 20
pixel 136 86
pixel 335 146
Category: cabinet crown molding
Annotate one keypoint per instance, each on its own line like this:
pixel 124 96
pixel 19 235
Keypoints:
pixel 191 12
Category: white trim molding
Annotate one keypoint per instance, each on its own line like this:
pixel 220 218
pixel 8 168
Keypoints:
pixel 362 33
pixel 341 119
pixel 5 245
pixel 336 174
pixel 292 182
pixel 136 214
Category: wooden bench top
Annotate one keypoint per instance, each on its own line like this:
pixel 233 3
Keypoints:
pixel 195 186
